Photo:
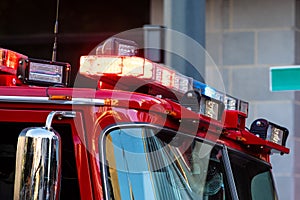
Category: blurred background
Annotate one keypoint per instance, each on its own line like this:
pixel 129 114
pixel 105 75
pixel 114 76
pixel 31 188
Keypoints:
pixel 27 26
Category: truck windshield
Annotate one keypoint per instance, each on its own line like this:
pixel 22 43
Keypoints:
pixel 253 177
pixel 146 163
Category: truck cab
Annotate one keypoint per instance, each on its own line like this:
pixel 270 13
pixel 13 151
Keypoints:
pixel 144 132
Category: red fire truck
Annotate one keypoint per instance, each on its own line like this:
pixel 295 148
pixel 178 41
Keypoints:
pixel 144 132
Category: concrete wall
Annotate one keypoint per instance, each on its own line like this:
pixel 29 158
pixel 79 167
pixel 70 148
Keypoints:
pixel 245 38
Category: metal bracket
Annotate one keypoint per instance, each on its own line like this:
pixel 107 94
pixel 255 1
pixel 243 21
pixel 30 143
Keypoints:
pixel 60 114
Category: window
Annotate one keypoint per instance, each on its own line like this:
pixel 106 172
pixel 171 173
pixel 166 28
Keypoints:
pixel 147 163
pixel 253 177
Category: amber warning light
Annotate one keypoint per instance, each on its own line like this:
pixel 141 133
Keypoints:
pixel 9 61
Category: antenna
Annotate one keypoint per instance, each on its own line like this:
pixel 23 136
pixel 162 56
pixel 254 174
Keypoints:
pixel 55 33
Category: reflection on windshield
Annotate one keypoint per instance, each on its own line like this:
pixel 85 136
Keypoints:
pixel 142 165
pixel 252 177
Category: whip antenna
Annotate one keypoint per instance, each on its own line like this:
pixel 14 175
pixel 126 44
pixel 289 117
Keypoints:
pixel 55 33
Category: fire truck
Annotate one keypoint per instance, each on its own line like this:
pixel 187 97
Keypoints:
pixel 145 131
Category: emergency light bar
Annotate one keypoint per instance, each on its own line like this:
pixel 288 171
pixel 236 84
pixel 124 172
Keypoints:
pixel 212 102
pixel 116 58
pixel 269 131
pixel 96 66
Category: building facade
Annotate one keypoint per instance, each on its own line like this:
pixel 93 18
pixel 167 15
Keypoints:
pixel 245 38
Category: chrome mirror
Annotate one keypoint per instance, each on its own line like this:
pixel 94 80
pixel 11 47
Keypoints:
pixel 38 161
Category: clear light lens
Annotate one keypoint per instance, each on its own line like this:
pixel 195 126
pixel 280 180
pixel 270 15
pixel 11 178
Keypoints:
pixel 127 50
pixel 164 76
pixel 275 135
pixel 230 103
pixel 182 83
pixel 45 73
pixel 93 65
pixel 244 107
pixel 133 66
pixel 148 70
pixel 211 109
pixel 112 65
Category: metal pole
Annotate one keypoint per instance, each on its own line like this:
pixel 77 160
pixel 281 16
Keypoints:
pixel 188 18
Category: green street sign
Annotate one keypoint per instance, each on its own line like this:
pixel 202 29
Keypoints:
pixel 283 78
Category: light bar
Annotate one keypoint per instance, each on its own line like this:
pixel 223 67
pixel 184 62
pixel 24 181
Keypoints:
pixel 269 131
pixel 41 72
pixel 97 66
pixel 9 61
